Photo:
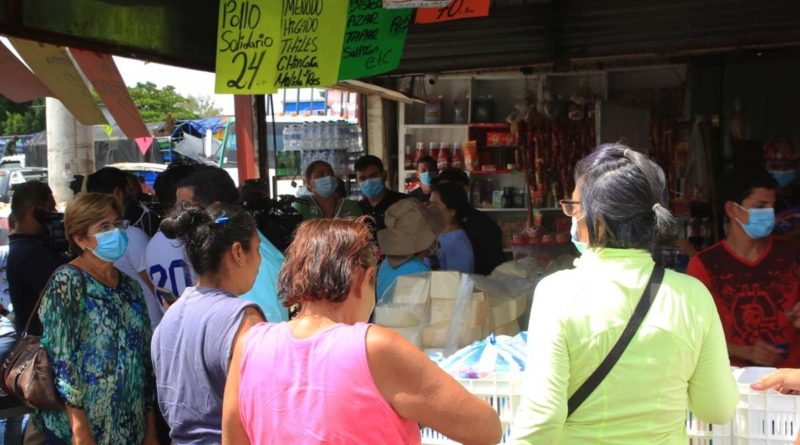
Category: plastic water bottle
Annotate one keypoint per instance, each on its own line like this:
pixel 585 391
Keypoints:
pixel 357 139
pixel 305 143
pixel 280 156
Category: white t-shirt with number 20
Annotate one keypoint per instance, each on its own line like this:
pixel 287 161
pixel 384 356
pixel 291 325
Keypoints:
pixel 167 264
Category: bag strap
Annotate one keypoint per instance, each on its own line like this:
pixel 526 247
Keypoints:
pixel 44 290
pixel 599 374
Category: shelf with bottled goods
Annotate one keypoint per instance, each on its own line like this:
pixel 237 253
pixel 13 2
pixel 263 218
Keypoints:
pixel 436 126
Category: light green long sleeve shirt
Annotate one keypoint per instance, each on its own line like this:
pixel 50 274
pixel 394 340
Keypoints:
pixel 678 359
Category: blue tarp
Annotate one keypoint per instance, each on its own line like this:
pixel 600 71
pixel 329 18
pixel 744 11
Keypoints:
pixel 200 126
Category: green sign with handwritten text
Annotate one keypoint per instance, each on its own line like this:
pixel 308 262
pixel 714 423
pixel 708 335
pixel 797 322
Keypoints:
pixel 374 39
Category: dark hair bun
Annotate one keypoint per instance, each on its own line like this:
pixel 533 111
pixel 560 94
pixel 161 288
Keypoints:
pixel 207 234
pixel 182 223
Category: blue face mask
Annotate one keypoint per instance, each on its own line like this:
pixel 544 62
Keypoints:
pixel 111 245
pixel 784 177
pixel 760 222
pixel 426 178
pixel 580 245
pixel 326 187
pixel 372 188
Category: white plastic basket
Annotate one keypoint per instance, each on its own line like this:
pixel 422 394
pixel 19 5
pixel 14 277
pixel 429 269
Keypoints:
pixel 501 390
pixel 764 418
pixel 704 433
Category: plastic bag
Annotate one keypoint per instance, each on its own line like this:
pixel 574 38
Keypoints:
pixel 494 354
pixel 459 322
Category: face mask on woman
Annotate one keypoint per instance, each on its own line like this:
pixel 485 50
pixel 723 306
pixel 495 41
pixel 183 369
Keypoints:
pixel 760 222
pixel 371 188
pixel 580 245
pixel 326 187
pixel 111 245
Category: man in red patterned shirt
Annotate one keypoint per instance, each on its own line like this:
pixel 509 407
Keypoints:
pixel 754 277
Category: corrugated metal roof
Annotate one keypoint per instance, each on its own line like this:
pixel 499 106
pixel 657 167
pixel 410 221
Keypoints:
pixel 517 32
pixel 529 32
pixel 509 36
pixel 629 27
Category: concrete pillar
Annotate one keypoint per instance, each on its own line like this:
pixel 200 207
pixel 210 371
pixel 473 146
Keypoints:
pixel 70 149
pixel 84 149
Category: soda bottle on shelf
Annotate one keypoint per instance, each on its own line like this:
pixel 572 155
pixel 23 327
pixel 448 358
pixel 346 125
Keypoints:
pixel 409 158
pixel 443 160
pixel 420 152
pixel 433 150
pixel 457 160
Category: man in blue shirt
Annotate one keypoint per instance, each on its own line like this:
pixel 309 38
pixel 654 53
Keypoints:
pixel 212 185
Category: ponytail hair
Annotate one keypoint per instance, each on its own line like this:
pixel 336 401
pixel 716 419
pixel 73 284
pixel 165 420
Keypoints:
pixel 624 198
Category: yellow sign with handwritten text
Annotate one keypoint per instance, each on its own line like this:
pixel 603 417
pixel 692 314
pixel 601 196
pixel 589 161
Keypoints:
pixel 264 45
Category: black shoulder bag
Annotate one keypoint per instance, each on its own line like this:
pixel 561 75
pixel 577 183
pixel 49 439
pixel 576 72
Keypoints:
pixel 599 374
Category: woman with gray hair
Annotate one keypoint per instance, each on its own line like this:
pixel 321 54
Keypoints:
pixel 619 349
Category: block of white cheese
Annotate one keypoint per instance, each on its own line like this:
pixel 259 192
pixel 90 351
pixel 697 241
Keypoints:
pixel 402 315
pixel 413 335
pixel 445 285
pixel 477 313
pixel 505 310
pixel 435 335
pixel 510 329
pixel 411 289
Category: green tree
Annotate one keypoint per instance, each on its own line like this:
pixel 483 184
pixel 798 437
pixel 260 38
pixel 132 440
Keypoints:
pixel 154 104
pixel 23 118
pixel 203 106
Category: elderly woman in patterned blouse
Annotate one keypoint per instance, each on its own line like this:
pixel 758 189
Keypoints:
pixel 97 336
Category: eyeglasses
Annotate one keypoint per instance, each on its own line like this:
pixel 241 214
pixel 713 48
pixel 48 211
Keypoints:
pixel 569 207
pixel 108 226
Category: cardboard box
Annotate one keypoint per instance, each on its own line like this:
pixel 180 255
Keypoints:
pixel 498 139
pixel 435 335
pixel 443 309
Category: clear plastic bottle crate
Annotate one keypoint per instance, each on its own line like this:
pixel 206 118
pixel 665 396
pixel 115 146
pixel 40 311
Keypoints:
pixel 501 390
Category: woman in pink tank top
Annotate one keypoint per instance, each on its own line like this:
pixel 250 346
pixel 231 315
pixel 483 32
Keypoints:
pixel 328 377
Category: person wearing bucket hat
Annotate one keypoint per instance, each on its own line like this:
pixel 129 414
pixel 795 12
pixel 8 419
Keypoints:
pixel 411 230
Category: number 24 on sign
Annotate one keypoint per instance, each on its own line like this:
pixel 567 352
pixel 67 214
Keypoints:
pixel 252 67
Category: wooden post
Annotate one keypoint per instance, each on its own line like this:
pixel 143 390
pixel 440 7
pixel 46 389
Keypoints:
pixel 245 138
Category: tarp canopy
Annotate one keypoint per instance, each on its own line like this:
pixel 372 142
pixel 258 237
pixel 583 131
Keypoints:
pixel 215 124
pixel 106 150
pixel 193 148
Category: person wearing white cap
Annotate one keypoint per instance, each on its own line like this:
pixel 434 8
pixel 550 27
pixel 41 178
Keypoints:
pixel 411 230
